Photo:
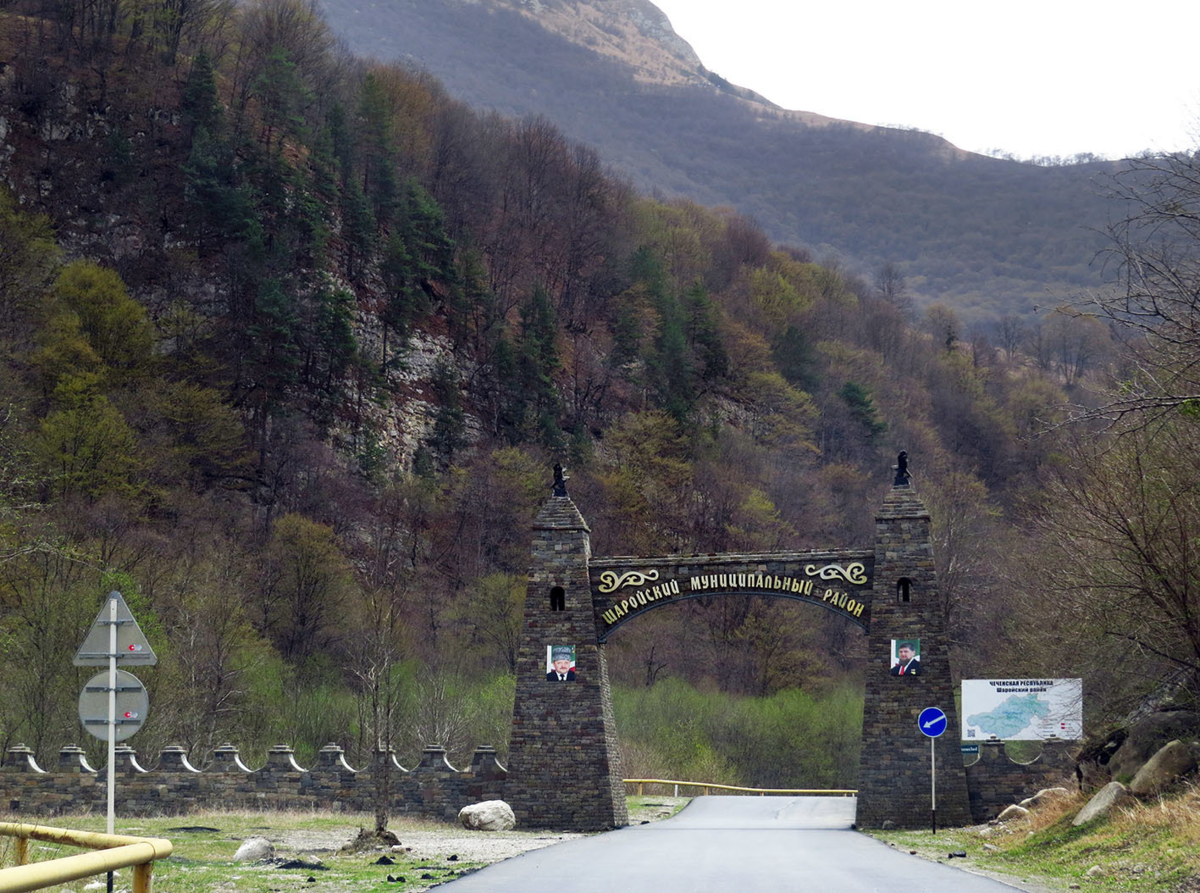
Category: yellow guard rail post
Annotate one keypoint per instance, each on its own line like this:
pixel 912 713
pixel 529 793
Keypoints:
pixel 112 852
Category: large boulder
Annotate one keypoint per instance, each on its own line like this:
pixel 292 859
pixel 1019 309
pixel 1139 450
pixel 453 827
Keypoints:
pixel 1111 795
pixel 1044 796
pixel 1148 735
pixel 255 849
pixel 1171 763
pixel 1012 812
pixel 490 815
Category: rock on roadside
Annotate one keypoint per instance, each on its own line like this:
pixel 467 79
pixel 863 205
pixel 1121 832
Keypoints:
pixel 1012 812
pixel 1044 796
pixel 1172 761
pixel 490 815
pixel 255 849
pixel 1109 796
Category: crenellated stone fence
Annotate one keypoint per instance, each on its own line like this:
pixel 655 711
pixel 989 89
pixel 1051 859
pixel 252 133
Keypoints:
pixel 995 781
pixel 431 789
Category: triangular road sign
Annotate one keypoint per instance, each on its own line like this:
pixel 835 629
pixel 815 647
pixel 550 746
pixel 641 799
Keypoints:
pixel 132 647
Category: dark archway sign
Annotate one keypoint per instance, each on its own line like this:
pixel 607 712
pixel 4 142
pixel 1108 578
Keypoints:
pixel 564 764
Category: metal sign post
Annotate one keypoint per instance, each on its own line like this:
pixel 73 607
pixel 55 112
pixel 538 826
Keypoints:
pixel 114 636
pixel 112 716
pixel 932 723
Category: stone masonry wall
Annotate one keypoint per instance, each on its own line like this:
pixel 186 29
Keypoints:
pixel 994 781
pixel 564 762
pixel 894 769
pixel 433 789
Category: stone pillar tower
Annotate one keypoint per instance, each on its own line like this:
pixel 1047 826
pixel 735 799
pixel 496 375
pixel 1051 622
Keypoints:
pixel 894 772
pixel 564 768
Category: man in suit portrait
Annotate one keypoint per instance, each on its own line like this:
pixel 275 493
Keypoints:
pixel 908 662
pixel 562 657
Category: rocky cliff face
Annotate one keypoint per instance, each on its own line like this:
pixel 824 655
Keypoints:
pixel 634 32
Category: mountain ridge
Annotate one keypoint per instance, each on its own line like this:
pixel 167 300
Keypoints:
pixel 989 236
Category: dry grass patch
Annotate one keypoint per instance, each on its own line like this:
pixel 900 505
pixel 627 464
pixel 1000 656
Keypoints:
pixel 1151 845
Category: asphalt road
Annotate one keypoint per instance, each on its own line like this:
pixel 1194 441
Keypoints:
pixel 730 845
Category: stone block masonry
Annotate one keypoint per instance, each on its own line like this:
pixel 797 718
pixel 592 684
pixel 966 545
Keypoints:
pixel 994 781
pixel 563 757
pixel 894 768
pixel 432 789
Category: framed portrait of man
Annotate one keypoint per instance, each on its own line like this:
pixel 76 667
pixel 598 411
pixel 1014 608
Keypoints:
pixel 560 663
pixel 906 657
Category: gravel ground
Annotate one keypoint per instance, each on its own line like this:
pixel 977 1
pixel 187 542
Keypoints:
pixel 469 846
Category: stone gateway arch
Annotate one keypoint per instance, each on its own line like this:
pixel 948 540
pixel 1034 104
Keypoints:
pixel 564 764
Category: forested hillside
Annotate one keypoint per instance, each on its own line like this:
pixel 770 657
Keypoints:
pixel 292 340
pixel 987 236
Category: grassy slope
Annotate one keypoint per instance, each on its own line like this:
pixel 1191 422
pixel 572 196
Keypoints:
pixel 1149 846
pixel 203 860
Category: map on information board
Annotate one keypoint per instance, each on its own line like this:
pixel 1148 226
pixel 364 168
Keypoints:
pixel 1022 709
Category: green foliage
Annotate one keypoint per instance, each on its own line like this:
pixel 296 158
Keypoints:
pixel 199 103
pixel 87 449
pixel 308 714
pixel 418 259
pixel 378 149
pixel 329 350
pixel 449 428
pixel 457 709
pixel 119 158
pixel 494 611
pixel 686 355
pixel 646 480
pixel 28 255
pixel 282 98
pixel 65 355
pixel 219 671
pixel 358 229
pixel 796 359
pixel 304 587
pixel 773 295
pixel 529 402
pixel 273 364
pixel 221 205
pixel 197 437
pixel 50 598
pixel 791 739
pixel 669 363
pixel 114 324
pixel 862 410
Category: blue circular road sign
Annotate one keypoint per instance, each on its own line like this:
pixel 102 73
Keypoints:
pixel 932 722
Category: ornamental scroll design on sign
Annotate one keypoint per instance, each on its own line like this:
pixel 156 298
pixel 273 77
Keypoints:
pixel 611 582
pixel 855 573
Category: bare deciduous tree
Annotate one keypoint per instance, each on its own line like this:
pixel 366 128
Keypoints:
pixel 1154 306
pixel 1121 540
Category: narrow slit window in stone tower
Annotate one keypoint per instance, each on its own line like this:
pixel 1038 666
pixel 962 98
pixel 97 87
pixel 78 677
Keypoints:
pixel 904 590
pixel 558 599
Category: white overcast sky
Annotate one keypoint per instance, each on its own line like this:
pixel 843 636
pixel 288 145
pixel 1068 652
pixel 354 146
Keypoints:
pixel 1030 77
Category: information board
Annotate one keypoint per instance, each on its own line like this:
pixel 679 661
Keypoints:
pixel 1022 709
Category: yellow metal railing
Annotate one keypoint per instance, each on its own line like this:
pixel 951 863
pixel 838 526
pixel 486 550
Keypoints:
pixel 112 853
pixel 762 792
